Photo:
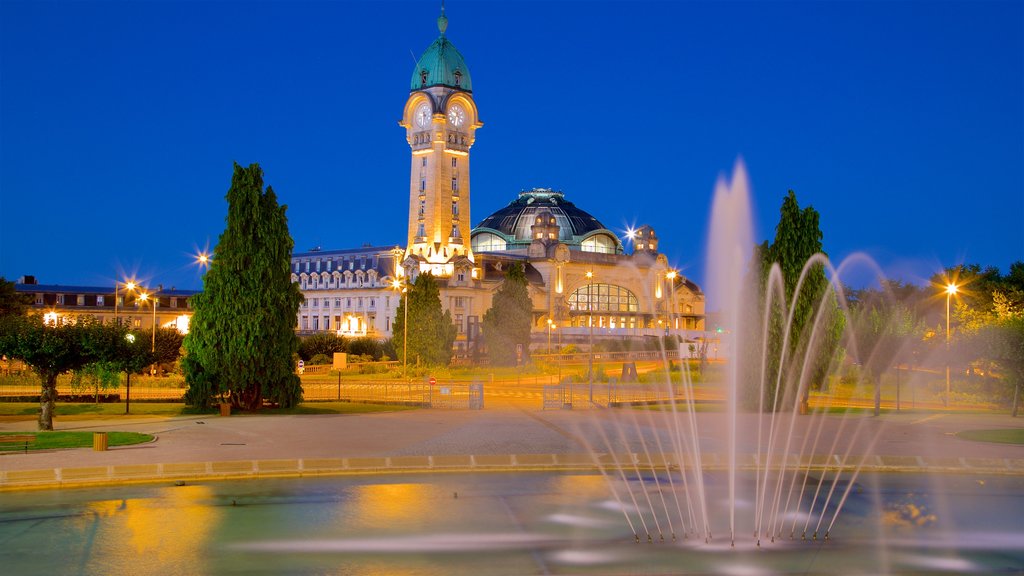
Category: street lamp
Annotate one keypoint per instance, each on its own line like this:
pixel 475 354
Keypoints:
pixel 396 285
pixel 130 338
pixel 152 345
pixel 590 321
pixel 951 289
pixel 671 277
pixel 549 336
pixel 128 287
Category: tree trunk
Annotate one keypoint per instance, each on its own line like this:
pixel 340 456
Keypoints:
pixel 47 398
pixel 1016 399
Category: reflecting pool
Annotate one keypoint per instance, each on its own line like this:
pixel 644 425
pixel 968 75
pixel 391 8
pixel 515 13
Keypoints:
pixel 526 523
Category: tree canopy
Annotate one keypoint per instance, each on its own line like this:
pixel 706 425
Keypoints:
pixel 810 324
pixel 431 332
pixel 241 337
pixel 54 348
pixel 506 324
pixel 12 302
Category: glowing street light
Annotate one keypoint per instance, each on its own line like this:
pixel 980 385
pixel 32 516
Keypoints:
pixel 951 289
pixel 551 327
pixel 671 277
pixel 129 286
pixel 398 285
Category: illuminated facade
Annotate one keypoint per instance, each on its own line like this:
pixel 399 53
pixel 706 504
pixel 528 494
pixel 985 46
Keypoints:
pixel 56 302
pixel 582 282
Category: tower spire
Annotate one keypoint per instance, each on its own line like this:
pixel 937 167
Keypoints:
pixel 442 20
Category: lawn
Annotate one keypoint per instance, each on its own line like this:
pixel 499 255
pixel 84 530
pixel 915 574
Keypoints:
pixel 106 410
pixel 103 409
pixel 55 440
pixel 1002 436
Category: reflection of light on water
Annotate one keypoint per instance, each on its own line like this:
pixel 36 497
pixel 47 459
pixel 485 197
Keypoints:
pixel 437 543
pixel 584 557
pixel 581 521
pixel 939 563
pixel 615 506
pixel 741 570
pixel 164 530
pixel 387 504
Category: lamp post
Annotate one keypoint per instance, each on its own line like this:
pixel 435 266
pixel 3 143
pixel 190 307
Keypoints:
pixel 128 287
pixel 951 289
pixel 152 342
pixel 671 277
pixel 549 337
pixel 590 321
pixel 396 285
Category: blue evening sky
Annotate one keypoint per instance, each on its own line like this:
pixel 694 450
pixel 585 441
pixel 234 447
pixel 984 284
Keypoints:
pixel 902 123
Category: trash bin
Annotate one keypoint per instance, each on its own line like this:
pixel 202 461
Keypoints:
pixel 225 409
pixel 99 441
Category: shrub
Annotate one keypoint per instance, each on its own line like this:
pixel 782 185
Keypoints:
pixel 320 359
pixel 325 343
pixel 366 346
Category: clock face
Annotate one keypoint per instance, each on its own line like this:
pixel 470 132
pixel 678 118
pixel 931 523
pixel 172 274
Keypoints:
pixel 456 116
pixel 423 116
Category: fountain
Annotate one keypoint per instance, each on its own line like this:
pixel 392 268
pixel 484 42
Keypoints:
pixel 670 490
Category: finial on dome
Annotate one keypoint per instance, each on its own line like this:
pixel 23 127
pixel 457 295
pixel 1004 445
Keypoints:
pixel 442 21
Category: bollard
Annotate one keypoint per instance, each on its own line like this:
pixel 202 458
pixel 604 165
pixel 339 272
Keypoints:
pixel 99 441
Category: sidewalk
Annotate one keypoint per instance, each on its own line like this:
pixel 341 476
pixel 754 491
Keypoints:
pixel 212 446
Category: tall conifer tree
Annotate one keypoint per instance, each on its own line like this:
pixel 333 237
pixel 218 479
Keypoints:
pixel 507 322
pixel 431 332
pixel 241 337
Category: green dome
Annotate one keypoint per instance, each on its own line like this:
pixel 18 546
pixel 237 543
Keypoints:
pixel 443 66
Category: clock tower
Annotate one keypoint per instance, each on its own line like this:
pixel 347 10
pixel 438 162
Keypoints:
pixel 440 121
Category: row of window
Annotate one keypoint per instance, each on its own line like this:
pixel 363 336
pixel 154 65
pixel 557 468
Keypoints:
pixel 455 162
pixel 90 300
pixel 315 282
pixel 358 324
pixel 488 242
pixel 330 264
pixel 326 302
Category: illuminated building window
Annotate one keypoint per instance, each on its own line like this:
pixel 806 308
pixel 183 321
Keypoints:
pixel 487 242
pixel 599 243
pixel 602 298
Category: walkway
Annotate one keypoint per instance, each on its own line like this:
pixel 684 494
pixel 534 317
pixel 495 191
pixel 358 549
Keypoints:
pixel 498 437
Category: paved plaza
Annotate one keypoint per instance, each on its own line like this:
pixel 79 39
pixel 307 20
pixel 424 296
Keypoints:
pixel 504 435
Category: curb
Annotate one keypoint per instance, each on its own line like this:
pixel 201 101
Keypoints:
pixel 123 474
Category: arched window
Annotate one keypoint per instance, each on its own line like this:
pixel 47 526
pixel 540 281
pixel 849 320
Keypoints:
pixel 599 243
pixel 487 242
pixel 603 298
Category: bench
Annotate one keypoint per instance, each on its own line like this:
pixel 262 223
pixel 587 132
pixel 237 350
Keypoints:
pixel 17 438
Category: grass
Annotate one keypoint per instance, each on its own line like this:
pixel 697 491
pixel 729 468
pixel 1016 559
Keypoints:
pixel 85 411
pixel 54 440
pixel 1004 436
pixel 104 409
